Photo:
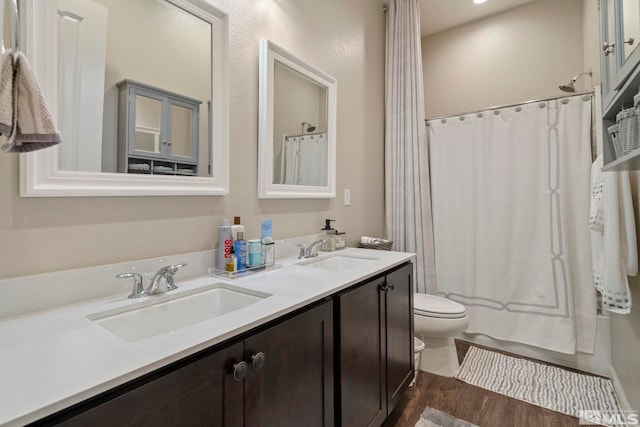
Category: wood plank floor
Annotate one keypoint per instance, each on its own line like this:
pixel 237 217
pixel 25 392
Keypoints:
pixel 477 405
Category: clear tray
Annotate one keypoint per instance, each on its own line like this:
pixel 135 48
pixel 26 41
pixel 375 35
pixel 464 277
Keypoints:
pixel 223 274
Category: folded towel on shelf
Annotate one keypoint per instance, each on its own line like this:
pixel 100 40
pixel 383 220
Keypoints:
pixel 34 125
pixel 6 92
pixel 139 167
pixel 615 251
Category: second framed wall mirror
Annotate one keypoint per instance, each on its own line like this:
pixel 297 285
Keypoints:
pixel 297 127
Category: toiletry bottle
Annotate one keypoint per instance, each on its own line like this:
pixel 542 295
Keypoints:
pixel 329 236
pixel 268 256
pixel 231 264
pixel 241 251
pixel 266 229
pixel 224 244
pixel 236 227
pixel 255 253
pixel 268 251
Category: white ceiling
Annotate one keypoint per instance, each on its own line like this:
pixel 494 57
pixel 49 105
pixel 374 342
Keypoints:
pixel 438 15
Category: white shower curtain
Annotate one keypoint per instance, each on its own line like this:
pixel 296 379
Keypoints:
pixel 407 198
pixel 304 159
pixel 511 193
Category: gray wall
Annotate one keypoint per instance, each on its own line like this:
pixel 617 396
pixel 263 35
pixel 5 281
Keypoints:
pixel 343 38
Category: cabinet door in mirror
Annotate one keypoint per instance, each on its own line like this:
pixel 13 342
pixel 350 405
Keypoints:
pixel 148 122
pixel 181 131
pixel 297 138
pixel 82 49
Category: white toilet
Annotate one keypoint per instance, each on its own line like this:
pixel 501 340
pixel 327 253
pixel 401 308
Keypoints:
pixel 436 321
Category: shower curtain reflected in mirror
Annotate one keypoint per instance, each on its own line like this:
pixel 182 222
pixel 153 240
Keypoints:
pixel 511 191
pixel 304 160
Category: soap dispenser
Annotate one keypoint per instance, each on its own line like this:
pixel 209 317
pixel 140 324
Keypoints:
pixel 329 244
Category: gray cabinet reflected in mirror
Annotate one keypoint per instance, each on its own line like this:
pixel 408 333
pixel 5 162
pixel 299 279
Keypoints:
pixel 157 131
pixel 297 145
pixel 177 51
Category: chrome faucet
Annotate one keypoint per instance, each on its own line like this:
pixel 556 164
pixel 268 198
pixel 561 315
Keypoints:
pixel 166 273
pixel 309 252
pixel 155 287
pixel 138 289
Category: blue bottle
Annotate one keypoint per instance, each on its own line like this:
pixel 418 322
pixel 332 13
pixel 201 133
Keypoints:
pixel 240 249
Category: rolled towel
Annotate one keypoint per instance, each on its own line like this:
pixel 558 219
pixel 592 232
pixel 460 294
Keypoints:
pixel 370 240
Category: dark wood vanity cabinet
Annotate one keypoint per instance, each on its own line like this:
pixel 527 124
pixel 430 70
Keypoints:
pixel 343 361
pixel 202 392
pixel 375 347
pixel 295 387
pixel 288 382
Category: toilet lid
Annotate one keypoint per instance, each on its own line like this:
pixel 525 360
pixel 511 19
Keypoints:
pixel 434 306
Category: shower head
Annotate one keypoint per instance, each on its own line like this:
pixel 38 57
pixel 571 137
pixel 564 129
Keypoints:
pixel 310 128
pixel 569 87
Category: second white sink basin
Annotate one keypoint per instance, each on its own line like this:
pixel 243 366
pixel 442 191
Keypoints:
pixel 168 312
pixel 339 262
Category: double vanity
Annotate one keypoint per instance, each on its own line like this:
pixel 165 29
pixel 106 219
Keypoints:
pixel 321 341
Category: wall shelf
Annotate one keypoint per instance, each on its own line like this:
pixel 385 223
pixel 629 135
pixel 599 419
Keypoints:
pixel 630 161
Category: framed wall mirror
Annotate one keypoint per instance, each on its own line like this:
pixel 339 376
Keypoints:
pixel 297 127
pixel 139 91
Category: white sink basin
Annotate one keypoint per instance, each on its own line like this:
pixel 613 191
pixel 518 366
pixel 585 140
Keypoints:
pixel 168 312
pixel 339 262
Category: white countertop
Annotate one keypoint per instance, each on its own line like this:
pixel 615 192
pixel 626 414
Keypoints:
pixel 56 358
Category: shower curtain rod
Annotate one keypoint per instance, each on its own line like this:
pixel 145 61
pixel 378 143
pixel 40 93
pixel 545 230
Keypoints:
pixel 586 92
pixel 305 134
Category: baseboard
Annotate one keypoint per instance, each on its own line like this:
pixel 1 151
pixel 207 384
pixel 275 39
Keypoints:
pixel 617 386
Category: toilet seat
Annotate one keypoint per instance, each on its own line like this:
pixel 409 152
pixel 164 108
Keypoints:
pixel 435 306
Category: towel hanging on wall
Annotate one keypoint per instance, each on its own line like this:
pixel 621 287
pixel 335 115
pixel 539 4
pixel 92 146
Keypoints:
pixel 25 119
pixel 613 243
pixel 6 92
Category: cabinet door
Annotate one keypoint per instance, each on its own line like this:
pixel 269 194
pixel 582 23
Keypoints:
pixel 399 324
pixel 629 36
pixel 294 385
pixel 203 393
pixel 609 63
pixel 361 356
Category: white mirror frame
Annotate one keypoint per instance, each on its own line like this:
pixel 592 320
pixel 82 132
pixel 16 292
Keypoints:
pixel 269 53
pixel 39 173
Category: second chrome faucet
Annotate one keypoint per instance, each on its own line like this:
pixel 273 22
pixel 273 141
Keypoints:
pixel 162 281
pixel 309 252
